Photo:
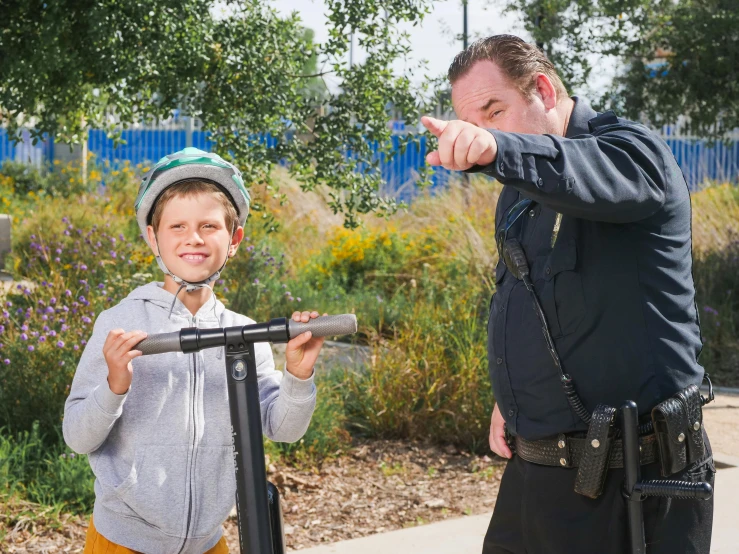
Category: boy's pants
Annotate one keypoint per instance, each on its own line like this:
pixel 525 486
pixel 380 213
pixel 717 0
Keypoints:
pixel 95 543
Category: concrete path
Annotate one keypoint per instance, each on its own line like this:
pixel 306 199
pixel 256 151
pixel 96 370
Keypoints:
pixel 463 535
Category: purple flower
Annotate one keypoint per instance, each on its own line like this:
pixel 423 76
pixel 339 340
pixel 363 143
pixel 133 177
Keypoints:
pixel 710 310
pixel 52 333
pixel 2 328
pixel 60 344
pixel 34 333
pixel 83 342
pixel 6 361
pixel 67 292
pixel 66 232
pixel 52 300
pixel 64 327
pixel 27 291
pixel 81 299
pixel 256 281
pixel 24 336
pixel 113 254
pixel 45 328
pixel 42 338
pixel 31 348
pixel 83 267
pixel 57 260
pixel 76 347
pixel 8 303
pixel 6 314
pixel 299 299
pixel 86 319
pixel 58 250
pixel 45 317
pixel 101 286
pixel 49 310
pixel 33 237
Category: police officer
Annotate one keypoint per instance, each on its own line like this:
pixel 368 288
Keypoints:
pixel 601 211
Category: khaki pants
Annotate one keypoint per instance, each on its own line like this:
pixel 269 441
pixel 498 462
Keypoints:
pixel 95 543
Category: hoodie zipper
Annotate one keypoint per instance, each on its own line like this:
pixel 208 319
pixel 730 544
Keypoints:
pixel 194 438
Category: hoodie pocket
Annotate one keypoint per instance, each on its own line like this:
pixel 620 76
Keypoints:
pixel 156 488
pixel 215 488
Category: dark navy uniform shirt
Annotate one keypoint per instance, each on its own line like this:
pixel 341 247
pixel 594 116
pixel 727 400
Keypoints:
pixel 616 285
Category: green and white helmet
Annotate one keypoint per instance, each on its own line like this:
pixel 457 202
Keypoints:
pixel 187 165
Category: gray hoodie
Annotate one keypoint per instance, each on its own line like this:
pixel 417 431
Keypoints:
pixel 161 453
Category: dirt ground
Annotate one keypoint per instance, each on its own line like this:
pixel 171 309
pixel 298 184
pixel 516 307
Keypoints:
pixel 379 486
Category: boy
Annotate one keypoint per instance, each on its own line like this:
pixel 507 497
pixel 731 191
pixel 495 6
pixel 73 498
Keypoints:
pixel 157 428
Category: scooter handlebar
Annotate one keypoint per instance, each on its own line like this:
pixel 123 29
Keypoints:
pixel 160 343
pixel 326 326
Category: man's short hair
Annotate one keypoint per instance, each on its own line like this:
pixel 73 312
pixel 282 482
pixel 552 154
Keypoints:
pixel 194 187
pixel 518 60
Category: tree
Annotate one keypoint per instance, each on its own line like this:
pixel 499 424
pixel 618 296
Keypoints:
pixel 69 65
pixel 679 57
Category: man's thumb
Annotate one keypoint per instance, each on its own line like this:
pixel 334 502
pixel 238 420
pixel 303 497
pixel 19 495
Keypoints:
pixel 436 126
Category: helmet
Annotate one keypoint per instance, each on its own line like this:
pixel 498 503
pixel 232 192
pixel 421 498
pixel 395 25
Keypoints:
pixel 188 164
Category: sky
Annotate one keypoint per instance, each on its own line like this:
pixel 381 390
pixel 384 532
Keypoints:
pixel 432 40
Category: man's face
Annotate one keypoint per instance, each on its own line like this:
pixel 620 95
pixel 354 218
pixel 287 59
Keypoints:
pixel 486 98
pixel 192 236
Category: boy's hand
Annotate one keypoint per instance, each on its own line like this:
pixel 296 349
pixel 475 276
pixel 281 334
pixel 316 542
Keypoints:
pixel 302 351
pixel 118 356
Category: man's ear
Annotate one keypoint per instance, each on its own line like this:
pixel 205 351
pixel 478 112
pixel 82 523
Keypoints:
pixel 546 91
pixel 152 240
pixel 236 239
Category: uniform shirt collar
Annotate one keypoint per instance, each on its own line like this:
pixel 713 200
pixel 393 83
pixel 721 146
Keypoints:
pixel 581 114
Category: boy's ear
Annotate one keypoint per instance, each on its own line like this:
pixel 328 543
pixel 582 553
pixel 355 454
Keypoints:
pixel 236 239
pixel 152 240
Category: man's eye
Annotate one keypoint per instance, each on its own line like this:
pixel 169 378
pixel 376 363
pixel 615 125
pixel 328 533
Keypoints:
pixel 494 114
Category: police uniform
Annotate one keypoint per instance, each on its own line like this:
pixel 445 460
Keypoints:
pixel 608 242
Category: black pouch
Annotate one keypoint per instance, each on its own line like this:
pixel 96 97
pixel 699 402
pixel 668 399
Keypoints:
pixel 678 424
pixel 593 467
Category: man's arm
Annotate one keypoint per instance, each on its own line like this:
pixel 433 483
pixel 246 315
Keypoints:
pixel 616 176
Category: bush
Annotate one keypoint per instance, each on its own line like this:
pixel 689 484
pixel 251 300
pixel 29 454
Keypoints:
pixel 43 470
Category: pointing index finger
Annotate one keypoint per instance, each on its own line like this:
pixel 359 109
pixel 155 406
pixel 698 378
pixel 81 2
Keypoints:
pixel 436 126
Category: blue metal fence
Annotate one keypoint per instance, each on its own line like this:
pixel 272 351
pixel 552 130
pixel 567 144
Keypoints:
pixel 699 161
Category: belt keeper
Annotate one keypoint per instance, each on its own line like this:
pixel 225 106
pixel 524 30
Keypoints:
pixel 565 457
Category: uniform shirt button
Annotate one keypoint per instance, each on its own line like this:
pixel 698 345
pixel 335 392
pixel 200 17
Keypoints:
pixel 548 270
pixel 540 182
pixel 501 167
pixel 499 361
pixel 502 309
pixel 511 413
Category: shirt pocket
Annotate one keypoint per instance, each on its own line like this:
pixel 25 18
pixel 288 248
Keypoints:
pixel 562 295
pixel 156 486
pixel 215 488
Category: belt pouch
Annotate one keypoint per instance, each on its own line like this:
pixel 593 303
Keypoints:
pixel 593 466
pixel 678 426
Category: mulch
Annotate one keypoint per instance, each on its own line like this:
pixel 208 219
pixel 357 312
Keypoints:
pixel 377 486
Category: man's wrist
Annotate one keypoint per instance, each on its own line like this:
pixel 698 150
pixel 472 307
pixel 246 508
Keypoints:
pixel 118 388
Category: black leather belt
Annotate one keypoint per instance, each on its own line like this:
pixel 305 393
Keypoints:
pixel 567 451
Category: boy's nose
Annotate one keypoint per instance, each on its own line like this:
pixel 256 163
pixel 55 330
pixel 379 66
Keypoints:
pixel 195 238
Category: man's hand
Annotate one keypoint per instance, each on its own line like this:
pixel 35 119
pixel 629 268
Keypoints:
pixel 118 355
pixel 461 144
pixel 497 434
pixel 302 351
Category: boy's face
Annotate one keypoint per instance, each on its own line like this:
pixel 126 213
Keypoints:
pixel 192 238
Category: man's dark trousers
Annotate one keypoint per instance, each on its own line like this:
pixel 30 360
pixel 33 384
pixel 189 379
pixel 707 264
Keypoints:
pixel 538 512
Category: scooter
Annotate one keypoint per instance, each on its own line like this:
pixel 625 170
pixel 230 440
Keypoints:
pixel 258 509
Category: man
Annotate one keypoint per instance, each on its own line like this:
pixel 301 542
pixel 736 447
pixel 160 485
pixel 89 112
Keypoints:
pixel 602 212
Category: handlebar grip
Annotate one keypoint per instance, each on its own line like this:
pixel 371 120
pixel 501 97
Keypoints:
pixel 160 343
pixel 326 326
